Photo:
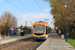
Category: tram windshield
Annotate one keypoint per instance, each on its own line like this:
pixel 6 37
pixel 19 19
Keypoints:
pixel 39 29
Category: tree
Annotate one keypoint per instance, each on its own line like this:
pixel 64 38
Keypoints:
pixel 7 22
pixel 58 11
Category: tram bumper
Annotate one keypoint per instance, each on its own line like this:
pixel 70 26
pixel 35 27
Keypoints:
pixel 39 38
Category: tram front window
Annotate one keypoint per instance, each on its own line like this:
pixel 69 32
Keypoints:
pixel 39 29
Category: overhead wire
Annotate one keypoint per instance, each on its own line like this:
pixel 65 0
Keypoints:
pixel 39 6
pixel 23 6
pixel 18 8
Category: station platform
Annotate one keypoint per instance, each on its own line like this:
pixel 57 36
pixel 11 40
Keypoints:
pixel 54 42
pixel 11 39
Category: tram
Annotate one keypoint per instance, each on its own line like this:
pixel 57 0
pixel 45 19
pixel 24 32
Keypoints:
pixel 41 31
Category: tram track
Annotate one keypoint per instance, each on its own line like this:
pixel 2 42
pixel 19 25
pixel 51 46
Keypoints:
pixel 11 44
pixel 24 44
pixel 31 46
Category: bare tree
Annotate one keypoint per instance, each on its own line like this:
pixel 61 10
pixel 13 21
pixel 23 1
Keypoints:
pixel 7 21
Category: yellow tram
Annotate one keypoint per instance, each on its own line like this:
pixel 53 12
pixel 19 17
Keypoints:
pixel 41 31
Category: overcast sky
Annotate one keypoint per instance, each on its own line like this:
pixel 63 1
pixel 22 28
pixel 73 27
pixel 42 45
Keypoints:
pixel 28 10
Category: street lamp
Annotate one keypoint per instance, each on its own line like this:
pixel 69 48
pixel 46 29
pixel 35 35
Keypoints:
pixel 65 20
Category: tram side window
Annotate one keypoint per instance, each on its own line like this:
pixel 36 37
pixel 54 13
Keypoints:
pixel 46 30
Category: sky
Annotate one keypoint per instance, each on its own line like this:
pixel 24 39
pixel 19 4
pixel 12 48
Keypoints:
pixel 28 10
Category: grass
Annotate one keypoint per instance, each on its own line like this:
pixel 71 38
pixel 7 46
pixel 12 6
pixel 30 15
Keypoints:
pixel 71 41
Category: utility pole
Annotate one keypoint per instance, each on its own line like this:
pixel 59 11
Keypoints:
pixel 14 26
pixel 26 27
pixel 46 20
pixel 31 27
pixel 74 13
pixel 31 23
pixel 26 23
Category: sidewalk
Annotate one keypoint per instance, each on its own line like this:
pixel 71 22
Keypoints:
pixel 55 43
pixel 8 37
pixel 11 39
